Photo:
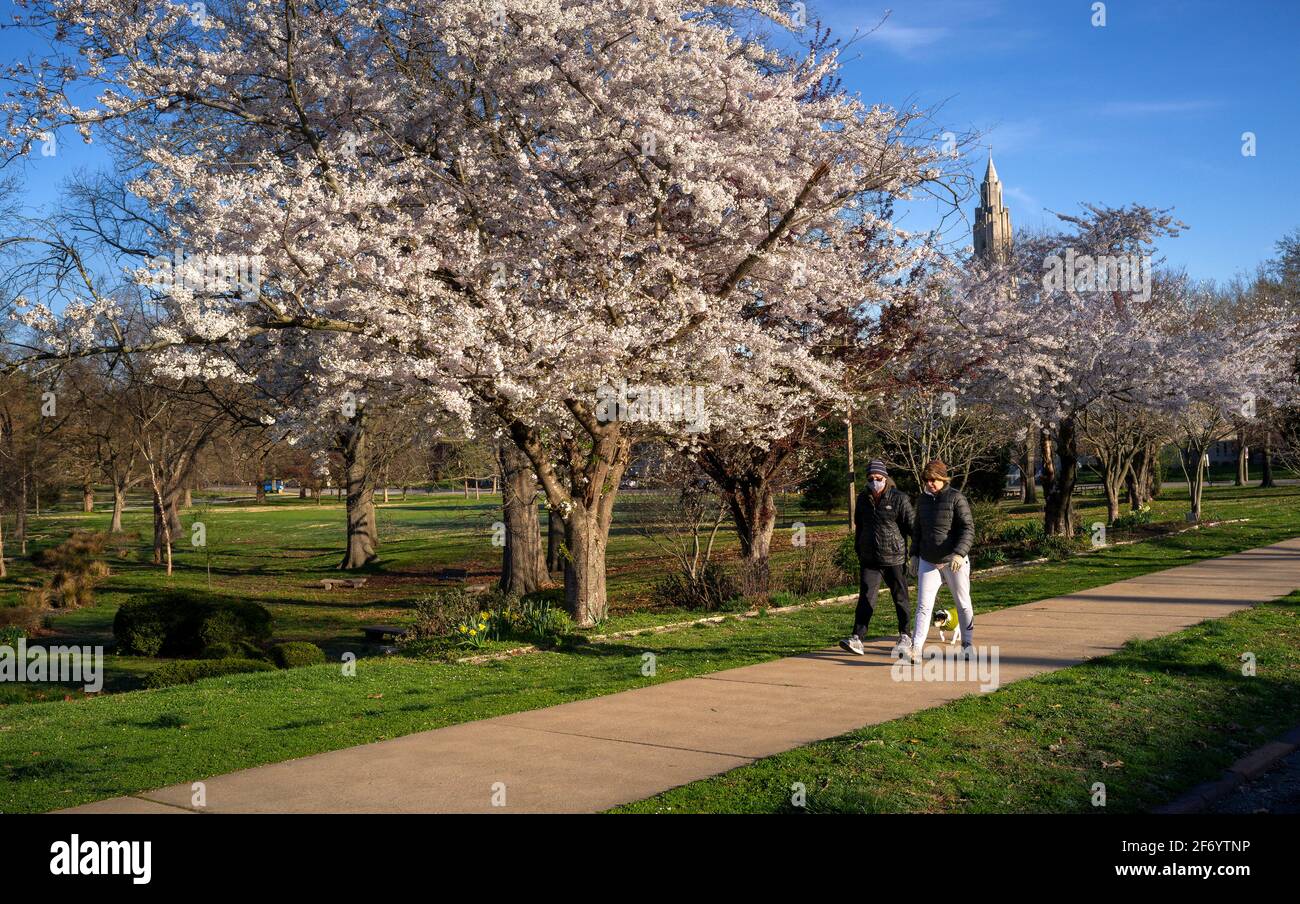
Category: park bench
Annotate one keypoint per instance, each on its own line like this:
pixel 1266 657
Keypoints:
pixel 377 633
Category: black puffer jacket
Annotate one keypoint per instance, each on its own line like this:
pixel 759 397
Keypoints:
pixel 883 527
pixel 944 526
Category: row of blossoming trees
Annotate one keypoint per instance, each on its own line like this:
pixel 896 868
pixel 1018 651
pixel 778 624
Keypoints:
pixel 484 215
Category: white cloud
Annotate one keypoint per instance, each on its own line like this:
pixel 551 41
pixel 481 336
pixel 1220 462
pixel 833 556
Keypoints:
pixel 906 39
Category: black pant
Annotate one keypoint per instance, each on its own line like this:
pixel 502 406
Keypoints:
pixel 895 578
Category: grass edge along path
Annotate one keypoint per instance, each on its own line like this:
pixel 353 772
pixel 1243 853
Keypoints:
pixel 54 755
pixel 1133 730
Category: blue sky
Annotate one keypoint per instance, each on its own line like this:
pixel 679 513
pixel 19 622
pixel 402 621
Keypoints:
pixel 1149 108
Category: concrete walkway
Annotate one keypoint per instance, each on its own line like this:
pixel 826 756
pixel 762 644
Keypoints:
pixel 593 754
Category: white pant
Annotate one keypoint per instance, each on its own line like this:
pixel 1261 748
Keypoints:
pixel 928 578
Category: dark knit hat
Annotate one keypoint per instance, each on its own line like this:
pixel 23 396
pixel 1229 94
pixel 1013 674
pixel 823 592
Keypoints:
pixel 936 470
pixel 876 466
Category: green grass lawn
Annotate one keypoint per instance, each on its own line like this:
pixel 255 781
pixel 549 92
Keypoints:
pixel 58 753
pixel 1149 722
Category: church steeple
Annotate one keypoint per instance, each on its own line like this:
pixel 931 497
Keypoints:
pixel 992 232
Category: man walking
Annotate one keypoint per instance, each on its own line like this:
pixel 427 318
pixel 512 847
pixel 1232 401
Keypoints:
pixel 941 540
pixel 884 522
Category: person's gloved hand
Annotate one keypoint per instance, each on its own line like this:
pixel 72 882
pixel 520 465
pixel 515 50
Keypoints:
pixel 916 565
pixel 958 562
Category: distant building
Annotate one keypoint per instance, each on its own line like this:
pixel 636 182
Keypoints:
pixel 992 230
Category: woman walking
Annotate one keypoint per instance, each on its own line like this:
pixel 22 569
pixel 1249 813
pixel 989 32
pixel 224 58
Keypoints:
pixel 884 523
pixel 941 541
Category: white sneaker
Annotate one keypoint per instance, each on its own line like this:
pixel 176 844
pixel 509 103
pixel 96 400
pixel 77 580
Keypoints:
pixel 902 648
pixel 853 645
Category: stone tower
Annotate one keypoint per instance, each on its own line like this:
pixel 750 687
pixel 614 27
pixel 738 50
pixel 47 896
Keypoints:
pixel 992 220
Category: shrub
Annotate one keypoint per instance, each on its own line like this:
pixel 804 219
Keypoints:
pixel 814 573
pixel 1055 546
pixel 708 589
pixel 555 595
pixel 544 622
pixel 242 649
pixel 990 557
pixel 440 614
pixel 10 635
pixel 296 653
pixel 77 568
pixel 27 619
pixel 1022 531
pixel 182 623
pixel 752 581
pixel 186 671
pixel 990 522
pixel 845 557
pixel 1133 519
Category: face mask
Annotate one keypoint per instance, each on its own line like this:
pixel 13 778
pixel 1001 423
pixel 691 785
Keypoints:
pixel 877 485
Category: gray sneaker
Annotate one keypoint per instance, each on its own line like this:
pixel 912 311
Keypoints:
pixel 853 644
pixel 902 648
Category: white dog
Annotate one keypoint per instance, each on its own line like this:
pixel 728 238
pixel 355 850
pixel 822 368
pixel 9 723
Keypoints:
pixel 946 619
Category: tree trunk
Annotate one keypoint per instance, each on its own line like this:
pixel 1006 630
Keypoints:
pixel 260 498
pixel 554 540
pixel 174 526
pixel 189 497
pixel 363 531
pixel 160 530
pixel 1058 516
pixel 753 510
pixel 853 478
pixel 1112 498
pixel 584 569
pixel 1243 463
pixel 523 567
pixel 20 519
pixel 586 503
pixel 1193 459
pixel 1139 477
pixel 1029 491
pixel 119 503
pixel 4 573
pixel 87 497
pixel 1266 483
pixel 1155 472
